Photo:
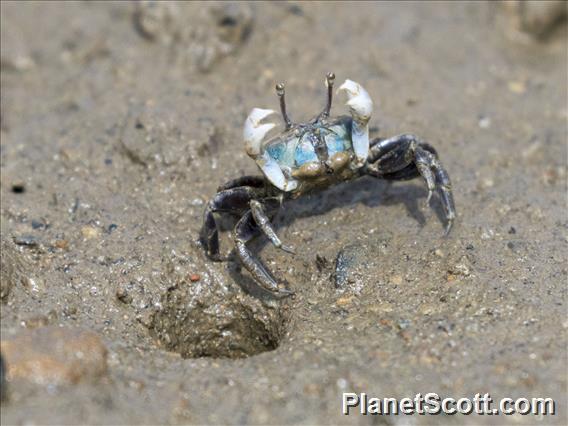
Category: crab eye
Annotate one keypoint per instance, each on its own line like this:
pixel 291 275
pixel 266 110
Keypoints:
pixel 305 153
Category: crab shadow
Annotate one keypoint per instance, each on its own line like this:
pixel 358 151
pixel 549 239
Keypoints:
pixel 368 191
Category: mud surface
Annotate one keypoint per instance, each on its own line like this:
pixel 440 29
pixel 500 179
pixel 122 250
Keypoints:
pixel 118 122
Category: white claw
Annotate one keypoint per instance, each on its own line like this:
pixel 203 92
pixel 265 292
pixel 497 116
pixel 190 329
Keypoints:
pixel 361 106
pixel 254 131
pixel 359 100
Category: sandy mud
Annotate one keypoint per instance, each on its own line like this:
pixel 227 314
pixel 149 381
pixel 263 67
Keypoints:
pixel 119 121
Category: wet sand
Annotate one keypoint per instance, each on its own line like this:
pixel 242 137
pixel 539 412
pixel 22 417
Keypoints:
pixel 118 122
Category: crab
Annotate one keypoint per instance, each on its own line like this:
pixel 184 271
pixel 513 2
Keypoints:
pixel 308 157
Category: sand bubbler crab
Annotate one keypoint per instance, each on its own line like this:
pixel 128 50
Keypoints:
pixel 312 156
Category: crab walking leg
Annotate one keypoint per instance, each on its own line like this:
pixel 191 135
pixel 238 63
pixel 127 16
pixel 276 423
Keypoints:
pixel 234 200
pixel 254 181
pixel 265 226
pixel 393 158
pixel 245 231
pixel 210 234
pixel 406 156
pixel 444 186
pixel 392 154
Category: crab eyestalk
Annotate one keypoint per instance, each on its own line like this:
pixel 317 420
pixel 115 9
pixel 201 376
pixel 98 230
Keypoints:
pixel 329 79
pixel 361 107
pixel 280 91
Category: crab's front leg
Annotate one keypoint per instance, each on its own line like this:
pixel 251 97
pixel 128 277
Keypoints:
pixel 405 157
pixel 361 107
pixel 245 231
pixel 234 200
pixel 263 221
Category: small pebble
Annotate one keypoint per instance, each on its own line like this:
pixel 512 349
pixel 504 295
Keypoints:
pixel 53 356
pixel 19 62
pixel 487 183
pixel 39 224
pixel 461 268
pixel 346 263
pixel 344 301
pixel 396 279
pixel 484 122
pixel 194 277
pixel 552 175
pixel 504 209
pixel 37 321
pixel 517 87
pixel 123 295
pixel 26 240
pixel 70 310
pixel 89 232
pixel 61 244
pixel 535 213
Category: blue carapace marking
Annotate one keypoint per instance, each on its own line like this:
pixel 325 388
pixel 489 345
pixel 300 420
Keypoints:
pixel 334 144
pixel 277 151
pixel 305 153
